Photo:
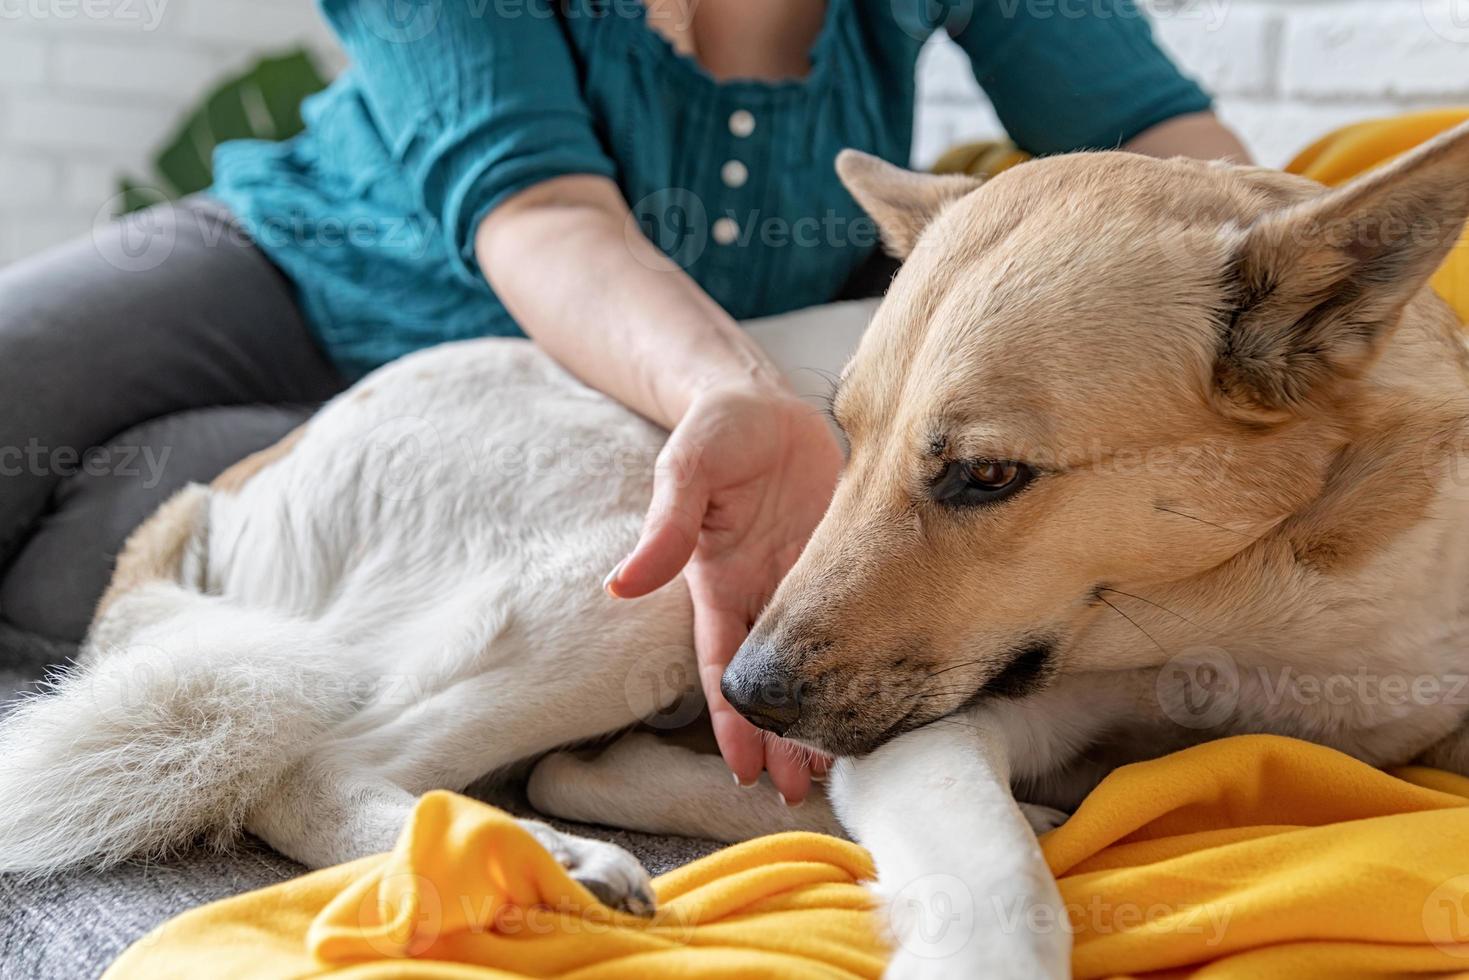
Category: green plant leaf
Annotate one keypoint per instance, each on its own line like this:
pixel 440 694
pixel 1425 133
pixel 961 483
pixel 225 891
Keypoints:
pixel 134 197
pixel 263 103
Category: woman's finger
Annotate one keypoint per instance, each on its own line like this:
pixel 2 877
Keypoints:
pixel 746 750
pixel 789 769
pixel 740 742
pixel 670 533
pixel 717 635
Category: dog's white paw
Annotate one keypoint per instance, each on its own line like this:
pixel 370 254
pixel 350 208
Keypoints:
pixel 607 871
pixel 1043 818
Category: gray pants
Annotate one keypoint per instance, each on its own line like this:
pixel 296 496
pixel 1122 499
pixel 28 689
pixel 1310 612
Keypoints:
pixel 152 353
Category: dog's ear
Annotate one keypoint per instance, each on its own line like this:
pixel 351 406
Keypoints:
pixel 1316 288
pixel 900 201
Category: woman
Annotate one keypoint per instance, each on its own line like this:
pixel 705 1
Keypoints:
pixel 620 182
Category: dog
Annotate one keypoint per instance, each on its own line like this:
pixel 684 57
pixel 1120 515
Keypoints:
pixel 1139 451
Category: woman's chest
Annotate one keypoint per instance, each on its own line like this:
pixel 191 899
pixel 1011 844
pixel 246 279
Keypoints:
pixel 670 89
pixel 752 39
pixel 734 179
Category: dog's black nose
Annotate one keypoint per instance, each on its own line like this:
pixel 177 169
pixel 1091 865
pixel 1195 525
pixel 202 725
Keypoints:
pixel 762 690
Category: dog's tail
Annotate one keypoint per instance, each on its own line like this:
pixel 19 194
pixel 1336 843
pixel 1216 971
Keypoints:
pixel 183 710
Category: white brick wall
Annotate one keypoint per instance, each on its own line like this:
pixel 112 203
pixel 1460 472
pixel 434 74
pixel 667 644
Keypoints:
pixel 89 88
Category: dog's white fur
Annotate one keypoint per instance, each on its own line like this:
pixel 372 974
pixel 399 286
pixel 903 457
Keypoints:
pixel 406 597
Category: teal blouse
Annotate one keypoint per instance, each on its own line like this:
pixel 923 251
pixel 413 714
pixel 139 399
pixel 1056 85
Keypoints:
pixel 451 106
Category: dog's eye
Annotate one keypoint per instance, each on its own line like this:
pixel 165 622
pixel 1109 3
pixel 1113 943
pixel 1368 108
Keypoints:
pixel 972 482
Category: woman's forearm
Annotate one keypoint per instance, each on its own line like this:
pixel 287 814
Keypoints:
pixel 592 291
pixel 1199 135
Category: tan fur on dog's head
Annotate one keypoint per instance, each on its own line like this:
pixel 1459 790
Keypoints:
pixel 1177 354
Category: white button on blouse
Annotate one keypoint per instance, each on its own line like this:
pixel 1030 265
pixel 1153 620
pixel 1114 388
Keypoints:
pixel 725 231
pixel 741 123
pixel 734 173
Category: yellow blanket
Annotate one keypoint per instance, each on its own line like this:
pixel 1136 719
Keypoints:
pixel 468 893
pixel 1251 857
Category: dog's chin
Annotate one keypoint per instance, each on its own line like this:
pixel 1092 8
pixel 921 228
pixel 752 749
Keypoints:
pixel 840 745
pixel 852 743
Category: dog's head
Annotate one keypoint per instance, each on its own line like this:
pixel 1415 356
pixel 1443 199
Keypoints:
pixel 1093 372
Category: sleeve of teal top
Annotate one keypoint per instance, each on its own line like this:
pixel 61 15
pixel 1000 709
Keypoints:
pixel 1068 75
pixel 476 101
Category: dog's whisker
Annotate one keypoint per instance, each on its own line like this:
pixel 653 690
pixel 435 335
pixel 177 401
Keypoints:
pixel 1135 624
pixel 832 379
pixel 958 666
pixel 804 755
pixel 959 692
pixel 1159 606
pixel 826 398
pixel 1213 524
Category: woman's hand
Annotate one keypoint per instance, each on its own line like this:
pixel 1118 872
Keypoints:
pixel 749 468
pixel 739 487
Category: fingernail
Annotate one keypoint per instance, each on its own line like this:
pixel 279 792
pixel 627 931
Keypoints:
pixel 611 580
pixel 788 803
pixel 818 777
pixel 742 784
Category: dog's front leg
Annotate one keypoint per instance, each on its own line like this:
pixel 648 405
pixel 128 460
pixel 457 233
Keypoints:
pixel 964 887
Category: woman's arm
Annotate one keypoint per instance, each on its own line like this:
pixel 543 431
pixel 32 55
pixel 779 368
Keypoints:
pixel 1198 134
pixel 580 278
pixel 748 469
pixel 1093 79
